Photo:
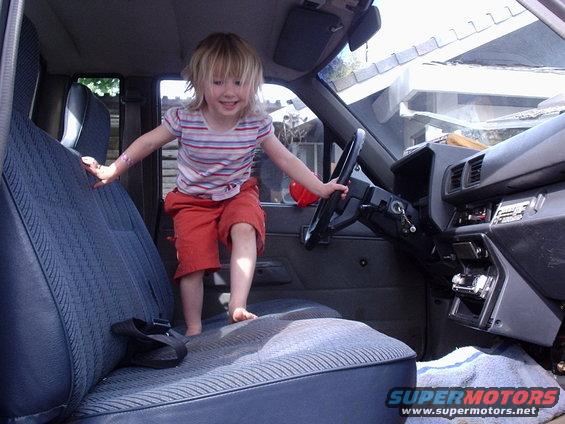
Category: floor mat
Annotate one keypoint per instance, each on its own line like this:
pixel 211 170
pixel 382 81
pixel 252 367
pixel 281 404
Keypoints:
pixel 506 365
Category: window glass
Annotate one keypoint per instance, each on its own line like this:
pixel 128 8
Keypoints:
pixel 172 94
pixel 460 72
pixel 295 125
pixel 299 130
pixel 108 91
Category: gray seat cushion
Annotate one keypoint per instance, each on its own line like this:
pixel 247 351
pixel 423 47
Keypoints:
pixel 285 309
pixel 266 370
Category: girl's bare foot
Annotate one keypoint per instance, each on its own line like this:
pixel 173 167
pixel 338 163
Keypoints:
pixel 241 314
pixel 193 330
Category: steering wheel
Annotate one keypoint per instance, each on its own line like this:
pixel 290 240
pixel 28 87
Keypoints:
pixel 326 207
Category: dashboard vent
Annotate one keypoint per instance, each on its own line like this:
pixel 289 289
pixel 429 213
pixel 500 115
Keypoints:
pixel 455 178
pixel 474 175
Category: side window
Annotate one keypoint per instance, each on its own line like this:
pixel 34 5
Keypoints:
pixel 295 125
pixel 172 94
pixel 108 91
pixel 299 130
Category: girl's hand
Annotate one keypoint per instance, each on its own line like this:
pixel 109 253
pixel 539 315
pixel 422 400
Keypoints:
pixel 328 188
pixel 106 174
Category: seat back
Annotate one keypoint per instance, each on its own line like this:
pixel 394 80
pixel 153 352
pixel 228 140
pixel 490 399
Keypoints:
pixel 28 69
pixel 86 129
pixel 65 276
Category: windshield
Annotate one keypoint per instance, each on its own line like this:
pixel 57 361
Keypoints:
pixel 470 73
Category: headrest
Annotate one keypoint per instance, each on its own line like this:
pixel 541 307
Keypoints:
pixel 86 125
pixel 27 70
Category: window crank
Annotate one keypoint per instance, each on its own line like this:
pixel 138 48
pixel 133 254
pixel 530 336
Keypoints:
pixel 398 208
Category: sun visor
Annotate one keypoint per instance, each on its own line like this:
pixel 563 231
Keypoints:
pixel 304 36
pixel 364 28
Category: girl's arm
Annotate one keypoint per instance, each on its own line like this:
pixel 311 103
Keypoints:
pixel 139 149
pixel 295 169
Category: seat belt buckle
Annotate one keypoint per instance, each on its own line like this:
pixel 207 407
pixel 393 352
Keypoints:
pixel 160 325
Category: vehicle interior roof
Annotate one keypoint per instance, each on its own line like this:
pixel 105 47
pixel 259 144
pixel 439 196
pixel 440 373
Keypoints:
pixel 145 38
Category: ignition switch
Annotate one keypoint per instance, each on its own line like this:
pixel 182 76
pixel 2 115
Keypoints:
pixel 398 208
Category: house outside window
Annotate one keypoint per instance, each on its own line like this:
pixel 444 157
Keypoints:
pixel 478 73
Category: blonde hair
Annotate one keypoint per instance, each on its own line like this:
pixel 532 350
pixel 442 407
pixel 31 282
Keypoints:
pixel 224 55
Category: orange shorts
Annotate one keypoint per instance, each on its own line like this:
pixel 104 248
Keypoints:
pixel 200 223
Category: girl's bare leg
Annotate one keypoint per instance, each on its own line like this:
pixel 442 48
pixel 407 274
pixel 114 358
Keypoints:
pixel 192 294
pixel 242 265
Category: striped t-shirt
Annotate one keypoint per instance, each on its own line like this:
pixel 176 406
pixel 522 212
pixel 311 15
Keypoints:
pixel 214 164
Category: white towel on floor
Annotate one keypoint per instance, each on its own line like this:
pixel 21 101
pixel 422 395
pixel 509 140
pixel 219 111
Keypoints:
pixel 507 365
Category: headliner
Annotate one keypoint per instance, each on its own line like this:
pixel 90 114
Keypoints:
pixel 147 37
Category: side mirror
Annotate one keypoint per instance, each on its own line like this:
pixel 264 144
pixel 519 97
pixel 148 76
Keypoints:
pixel 367 26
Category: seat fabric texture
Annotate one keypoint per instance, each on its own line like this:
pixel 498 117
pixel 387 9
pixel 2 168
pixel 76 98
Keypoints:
pixel 284 309
pixel 74 262
pixel 266 370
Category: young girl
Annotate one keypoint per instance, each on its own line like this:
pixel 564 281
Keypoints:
pixel 215 198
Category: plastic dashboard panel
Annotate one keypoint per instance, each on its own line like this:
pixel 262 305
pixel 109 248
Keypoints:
pixel 506 207
pixel 521 186
pixel 530 159
pixel 535 243
pixel 419 179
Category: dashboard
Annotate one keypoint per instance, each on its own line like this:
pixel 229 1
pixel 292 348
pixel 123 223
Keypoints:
pixel 499 216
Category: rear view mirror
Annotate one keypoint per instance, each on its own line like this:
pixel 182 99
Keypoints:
pixel 367 26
